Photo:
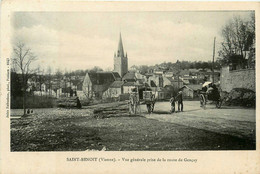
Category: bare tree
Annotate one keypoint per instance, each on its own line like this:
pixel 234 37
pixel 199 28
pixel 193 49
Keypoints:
pixel 238 38
pixel 23 57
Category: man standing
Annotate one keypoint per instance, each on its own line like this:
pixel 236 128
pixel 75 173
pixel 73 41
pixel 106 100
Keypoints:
pixel 179 98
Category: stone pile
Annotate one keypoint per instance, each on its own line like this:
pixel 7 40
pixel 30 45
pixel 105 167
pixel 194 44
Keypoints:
pixel 241 97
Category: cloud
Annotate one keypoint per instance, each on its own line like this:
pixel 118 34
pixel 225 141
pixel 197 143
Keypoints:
pixel 62 49
pixel 76 40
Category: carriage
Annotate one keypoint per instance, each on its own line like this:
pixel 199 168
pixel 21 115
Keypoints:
pixel 209 95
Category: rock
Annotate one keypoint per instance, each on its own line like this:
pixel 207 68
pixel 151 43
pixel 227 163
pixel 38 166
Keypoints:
pixel 69 102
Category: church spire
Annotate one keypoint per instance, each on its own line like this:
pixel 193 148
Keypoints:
pixel 120 51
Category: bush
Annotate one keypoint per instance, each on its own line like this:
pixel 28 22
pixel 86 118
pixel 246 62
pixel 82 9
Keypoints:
pixel 33 102
pixel 241 97
pixel 85 102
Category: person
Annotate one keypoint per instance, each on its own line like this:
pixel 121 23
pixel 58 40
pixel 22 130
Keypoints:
pixel 172 101
pixel 215 92
pixel 132 103
pixel 153 102
pixel 209 92
pixel 179 98
pixel 204 89
pixel 150 103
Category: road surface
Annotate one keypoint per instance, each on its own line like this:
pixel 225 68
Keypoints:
pixel 235 121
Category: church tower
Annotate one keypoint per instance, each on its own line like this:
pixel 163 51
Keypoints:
pixel 120 59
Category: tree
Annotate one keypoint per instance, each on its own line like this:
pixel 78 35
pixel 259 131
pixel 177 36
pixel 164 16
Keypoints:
pixel 238 35
pixel 96 69
pixel 143 69
pixel 40 78
pixel 23 57
pixel 58 76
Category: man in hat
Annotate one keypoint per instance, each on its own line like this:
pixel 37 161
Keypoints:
pixel 179 98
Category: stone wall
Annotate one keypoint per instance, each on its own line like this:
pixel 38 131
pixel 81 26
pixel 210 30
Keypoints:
pixel 244 78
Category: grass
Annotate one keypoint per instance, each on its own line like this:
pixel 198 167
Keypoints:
pixel 33 102
pixel 77 130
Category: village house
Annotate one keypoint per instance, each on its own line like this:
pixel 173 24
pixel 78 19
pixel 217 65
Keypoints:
pixel 96 83
pixel 78 84
pixel 175 83
pixel 129 86
pixel 114 90
pixel 134 77
pixel 155 80
pixel 169 74
pixel 191 91
pixel 129 77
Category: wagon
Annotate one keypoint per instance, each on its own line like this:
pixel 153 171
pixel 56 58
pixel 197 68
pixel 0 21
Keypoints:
pixel 211 96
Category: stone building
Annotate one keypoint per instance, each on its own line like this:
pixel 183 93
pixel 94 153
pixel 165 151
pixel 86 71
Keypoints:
pixel 114 90
pixel 96 83
pixel 120 59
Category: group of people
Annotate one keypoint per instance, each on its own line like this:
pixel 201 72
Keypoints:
pixel 208 88
pixel 179 99
pixel 212 91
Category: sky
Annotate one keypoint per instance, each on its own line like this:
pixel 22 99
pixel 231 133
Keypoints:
pixel 82 40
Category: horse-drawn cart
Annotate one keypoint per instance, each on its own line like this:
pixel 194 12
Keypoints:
pixel 149 100
pixel 210 92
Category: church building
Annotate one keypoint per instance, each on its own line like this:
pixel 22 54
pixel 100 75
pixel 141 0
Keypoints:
pixel 120 59
pixel 96 83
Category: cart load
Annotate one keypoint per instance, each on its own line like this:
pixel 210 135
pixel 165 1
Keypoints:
pixel 148 96
pixel 149 100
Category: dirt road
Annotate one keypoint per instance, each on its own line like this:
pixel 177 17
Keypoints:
pixel 56 129
pixel 235 121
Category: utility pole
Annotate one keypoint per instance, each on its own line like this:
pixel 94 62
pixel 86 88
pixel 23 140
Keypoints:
pixel 178 80
pixel 178 71
pixel 213 60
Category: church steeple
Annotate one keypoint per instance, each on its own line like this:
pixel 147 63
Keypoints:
pixel 120 50
pixel 120 60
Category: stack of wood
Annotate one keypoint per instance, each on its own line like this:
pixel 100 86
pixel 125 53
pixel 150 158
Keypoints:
pixel 106 112
pixel 69 102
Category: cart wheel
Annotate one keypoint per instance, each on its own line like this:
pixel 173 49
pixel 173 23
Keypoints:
pixel 219 103
pixel 202 101
pixel 149 108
